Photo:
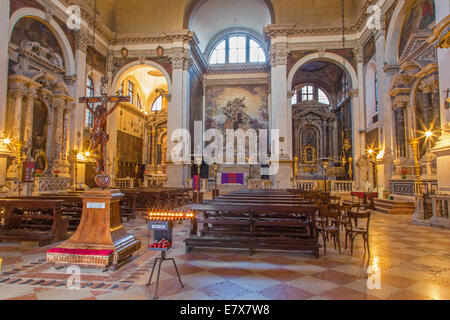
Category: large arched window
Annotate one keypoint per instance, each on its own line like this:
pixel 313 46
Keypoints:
pixel 376 91
pixel 89 93
pixel 157 105
pixel 237 48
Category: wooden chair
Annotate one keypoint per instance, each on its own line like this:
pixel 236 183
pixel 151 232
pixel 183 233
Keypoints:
pixel 352 230
pixel 343 214
pixel 329 225
pixel 335 200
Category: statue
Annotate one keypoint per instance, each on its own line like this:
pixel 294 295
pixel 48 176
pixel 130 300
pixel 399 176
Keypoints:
pixel 99 137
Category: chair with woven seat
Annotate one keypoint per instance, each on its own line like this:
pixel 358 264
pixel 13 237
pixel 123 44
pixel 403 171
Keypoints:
pixel 329 225
pixel 352 230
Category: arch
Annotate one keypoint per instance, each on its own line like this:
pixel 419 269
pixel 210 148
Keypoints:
pixel 370 95
pixel 327 56
pixel 137 64
pixel 54 27
pixel 196 4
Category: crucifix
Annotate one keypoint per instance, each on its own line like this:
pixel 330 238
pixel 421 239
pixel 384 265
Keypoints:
pixel 98 136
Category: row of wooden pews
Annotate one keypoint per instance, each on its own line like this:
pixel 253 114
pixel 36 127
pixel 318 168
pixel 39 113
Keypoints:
pixel 255 220
pixel 32 220
pixel 49 217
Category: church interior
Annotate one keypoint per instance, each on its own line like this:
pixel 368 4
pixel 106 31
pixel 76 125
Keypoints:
pixel 270 149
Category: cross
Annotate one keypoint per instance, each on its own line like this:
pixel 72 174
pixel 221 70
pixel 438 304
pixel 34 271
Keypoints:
pixel 100 113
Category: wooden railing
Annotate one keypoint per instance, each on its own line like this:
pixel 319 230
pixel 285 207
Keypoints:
pixel 125 183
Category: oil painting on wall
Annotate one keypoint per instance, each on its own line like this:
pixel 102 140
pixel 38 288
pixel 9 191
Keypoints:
pixel 237 107
pixel 420 17
pixel 32 30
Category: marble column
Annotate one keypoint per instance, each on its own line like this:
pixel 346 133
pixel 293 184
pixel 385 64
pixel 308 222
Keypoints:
pixel 358 141
pixel 4 60
pixel 280 113
pixel 178 112
pixel 58 131
pixel 65 133
pixel 82 40
pixel 28 123
pixel 17 119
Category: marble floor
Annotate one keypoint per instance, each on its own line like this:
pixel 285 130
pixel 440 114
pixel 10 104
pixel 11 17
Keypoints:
pixel 407 262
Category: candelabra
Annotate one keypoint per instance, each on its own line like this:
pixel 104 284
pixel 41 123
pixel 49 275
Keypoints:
pixel 415 149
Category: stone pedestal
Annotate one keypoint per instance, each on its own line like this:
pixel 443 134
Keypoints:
pixel 100 240
pixel 442 152
pixel 175 175
pixel 282 179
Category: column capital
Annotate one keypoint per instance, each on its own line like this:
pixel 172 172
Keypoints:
pixel 82 40
pixel 354 93
pixel 15 93
pixel 180 59
pixel 358 53
pixel 290 94
pixel 278 54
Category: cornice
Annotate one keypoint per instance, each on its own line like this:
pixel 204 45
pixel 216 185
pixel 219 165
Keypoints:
pixel 186 36
pixel 244 69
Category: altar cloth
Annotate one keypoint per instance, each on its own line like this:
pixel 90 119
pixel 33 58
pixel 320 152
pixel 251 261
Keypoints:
pixel 232 178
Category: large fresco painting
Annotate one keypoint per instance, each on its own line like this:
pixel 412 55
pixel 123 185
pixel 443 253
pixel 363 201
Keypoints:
pixel 422 14
pixel 33 30
pixel 237 107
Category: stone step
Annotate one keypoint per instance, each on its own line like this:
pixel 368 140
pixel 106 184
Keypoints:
pixel 394 207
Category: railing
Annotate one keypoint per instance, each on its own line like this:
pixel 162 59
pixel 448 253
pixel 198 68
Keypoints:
pixel 407 188
pixel 259 184
pixel 411 188
pixel 203 184
pixel 125 183
pixel 155 180
pixel 441 205
pixel 50 184
pixel 341 186
pixel 306 185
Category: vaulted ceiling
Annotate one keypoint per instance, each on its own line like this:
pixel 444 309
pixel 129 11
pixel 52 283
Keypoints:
pixel 155 16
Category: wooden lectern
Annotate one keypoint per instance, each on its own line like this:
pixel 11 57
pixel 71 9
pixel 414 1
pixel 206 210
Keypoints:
pixel 100 240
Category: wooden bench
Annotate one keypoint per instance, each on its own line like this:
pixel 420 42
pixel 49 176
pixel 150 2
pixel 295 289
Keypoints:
pixel 145 198
pixel 266 226
pixel 32 220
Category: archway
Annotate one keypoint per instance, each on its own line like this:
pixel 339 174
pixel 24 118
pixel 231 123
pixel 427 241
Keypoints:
pixel 140 123
pixel 311 77
pixel 54 27
pixel 325 56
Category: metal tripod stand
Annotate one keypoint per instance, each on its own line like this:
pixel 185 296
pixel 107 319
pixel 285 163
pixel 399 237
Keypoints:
pixel 162 258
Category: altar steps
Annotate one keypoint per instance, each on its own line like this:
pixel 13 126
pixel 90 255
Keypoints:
pixel 394 207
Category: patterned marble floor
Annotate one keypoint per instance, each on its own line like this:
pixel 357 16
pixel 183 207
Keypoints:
pixel 413 263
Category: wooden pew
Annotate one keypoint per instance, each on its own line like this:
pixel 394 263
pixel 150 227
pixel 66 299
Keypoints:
pixel 146 198
pixel 32 220
pixel 267 226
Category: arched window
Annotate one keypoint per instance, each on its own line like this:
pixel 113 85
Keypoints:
pixel 376 91
pixel 130 91
pixel 294 99
pixel 157 105
pixel 307 93
pixel 89 93
pixel 237 48
pixel 311 93
pixel 138 102
pixel 322 97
